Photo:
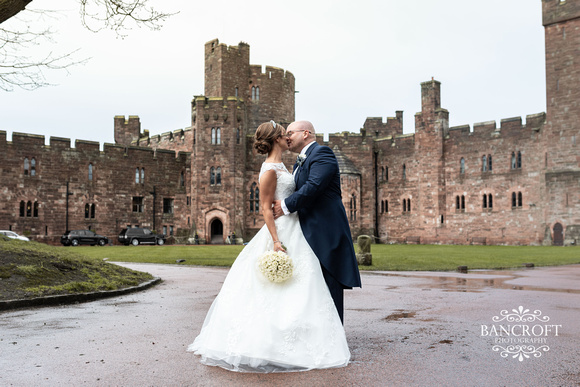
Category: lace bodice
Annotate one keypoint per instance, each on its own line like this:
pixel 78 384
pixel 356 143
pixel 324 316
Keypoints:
pixel 285 185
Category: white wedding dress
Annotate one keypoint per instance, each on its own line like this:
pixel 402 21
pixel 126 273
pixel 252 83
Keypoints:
pixel 255 325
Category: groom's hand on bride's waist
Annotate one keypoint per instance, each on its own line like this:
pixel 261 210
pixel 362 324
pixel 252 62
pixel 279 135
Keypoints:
pixel 277 209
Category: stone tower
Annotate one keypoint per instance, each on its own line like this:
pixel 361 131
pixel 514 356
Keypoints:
pixel 238 97
pixel 431 126
pixel 561 20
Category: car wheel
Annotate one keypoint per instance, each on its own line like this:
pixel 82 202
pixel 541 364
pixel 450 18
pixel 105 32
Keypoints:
pixel 102 242
pixel 135 242
pixel 160 242
pixel 74 242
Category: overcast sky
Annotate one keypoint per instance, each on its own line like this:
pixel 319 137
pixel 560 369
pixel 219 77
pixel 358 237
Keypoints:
pixel 351 60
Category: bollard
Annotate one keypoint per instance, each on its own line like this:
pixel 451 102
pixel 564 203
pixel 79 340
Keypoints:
pixel 364 256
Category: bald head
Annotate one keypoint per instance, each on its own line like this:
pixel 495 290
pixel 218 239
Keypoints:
pixel 300 134
pixel 303 125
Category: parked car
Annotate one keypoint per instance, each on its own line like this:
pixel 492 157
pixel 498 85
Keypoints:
pixel 13 235
pixel 83 237
pixel 137 235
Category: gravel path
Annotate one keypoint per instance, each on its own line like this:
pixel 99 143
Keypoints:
pixel 403 329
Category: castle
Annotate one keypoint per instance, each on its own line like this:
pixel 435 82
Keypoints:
pixel 516 184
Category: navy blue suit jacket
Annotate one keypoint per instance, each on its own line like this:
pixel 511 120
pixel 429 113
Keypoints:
pixel 322 215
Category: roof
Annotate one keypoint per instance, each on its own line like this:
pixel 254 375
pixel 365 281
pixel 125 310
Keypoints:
pixel 345 165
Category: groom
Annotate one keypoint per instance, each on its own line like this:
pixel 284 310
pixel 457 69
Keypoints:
pixel 320 210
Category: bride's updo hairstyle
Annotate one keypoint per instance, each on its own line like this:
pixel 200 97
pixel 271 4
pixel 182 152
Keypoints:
pixel 265 136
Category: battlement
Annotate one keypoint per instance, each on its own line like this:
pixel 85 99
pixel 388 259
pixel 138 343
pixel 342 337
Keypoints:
pixel 270 72
pixel 127 130
pixel 376 127
pixel 508 126
pixel 558 11
pixel 26 141
pixel 228 109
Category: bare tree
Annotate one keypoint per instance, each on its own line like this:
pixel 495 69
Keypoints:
pixel 17 70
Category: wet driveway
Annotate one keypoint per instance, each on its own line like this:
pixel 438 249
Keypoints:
pixel 403 329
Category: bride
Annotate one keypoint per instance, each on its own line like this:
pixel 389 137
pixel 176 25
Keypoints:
pixel 255 325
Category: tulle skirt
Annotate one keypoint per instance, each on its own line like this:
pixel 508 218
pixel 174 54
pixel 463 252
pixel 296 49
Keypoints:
pixel 255 325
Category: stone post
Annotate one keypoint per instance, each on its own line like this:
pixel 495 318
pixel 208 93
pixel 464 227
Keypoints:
pixel 364 256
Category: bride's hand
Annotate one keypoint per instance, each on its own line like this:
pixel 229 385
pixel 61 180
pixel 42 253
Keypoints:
pixel 278 246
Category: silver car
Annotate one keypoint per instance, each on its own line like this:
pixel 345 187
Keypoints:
pixel 13 235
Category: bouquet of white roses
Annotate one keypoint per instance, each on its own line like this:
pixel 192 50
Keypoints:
pixel 275 266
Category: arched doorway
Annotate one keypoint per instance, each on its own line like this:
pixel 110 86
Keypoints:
pixel 558 235
pixel 217 232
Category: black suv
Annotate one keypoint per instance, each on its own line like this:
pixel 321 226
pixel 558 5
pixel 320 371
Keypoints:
pixel 83 237
pixel 137 235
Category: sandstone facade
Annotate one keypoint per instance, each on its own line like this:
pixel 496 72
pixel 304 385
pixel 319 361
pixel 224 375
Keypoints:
pixel 516 183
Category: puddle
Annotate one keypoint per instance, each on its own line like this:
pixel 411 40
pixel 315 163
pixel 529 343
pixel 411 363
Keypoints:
pixel 400 315
pixel 475 281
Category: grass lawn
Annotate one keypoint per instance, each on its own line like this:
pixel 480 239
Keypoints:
pixel 385 257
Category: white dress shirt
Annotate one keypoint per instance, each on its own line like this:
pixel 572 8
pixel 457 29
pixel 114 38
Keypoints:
pixel 303 151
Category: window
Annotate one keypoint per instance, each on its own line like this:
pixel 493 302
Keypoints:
pixel 218 136
pixel 167 206
pixel 90 172
pixel 33 167
pixel 87 211
pixel 28 209
pixel 487 201
pixel 212 176
pixel 182 179
pixel 171 230
pixel 136 175
pixel 406 205
pixel 93 206
pixel 519 162
pixel 386 206
pixel 138 204
pixel 489 166
pixel 484 201
pixel 35 211
pixel 188 200
pixel 382 206
pixel 460 203
pixel 142 175
pixel 213 136
pixel 519 199
pixel 462 166
pixel 236 92
pixel 352 207
pixel 257 93
pixel 22 206
pixel 514 200
pixel 26 166
pixel 253 92
pixel 254 198
pixel 484 163
pixel 404 172
pixel 218 176
pixel 386 173
pixel 238 136
pixel 164 230
pixel 514 160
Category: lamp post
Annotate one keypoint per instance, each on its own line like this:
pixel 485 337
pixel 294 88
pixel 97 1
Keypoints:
pixel 68 193
pixel 154 193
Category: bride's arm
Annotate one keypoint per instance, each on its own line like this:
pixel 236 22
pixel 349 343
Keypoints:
pixel 268 182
